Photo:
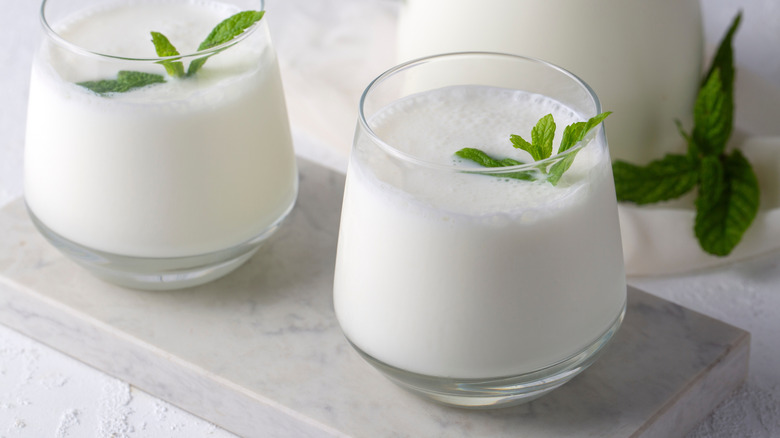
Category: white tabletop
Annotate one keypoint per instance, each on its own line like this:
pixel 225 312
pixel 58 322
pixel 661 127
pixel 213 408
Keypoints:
pixel 329 50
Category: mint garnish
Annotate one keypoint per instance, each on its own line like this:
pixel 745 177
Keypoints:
pixel 125 81
pixel 225 31
pixel 486 160
pixel 541 139
pixel 164 48
pixel 540 147
pixel 728 196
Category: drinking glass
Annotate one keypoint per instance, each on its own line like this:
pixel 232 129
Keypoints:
pixel 477 286
pixel 167 185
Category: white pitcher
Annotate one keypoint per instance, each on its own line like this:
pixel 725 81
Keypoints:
pixel 643 58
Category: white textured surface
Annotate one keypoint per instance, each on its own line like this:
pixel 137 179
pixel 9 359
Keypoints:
pixel 43 393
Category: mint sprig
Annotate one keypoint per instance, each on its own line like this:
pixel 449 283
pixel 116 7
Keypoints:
pixel 486 160
pixel 728 191
pixel 540 148
pixel 125 81
pixel 225 31
pixel 164 49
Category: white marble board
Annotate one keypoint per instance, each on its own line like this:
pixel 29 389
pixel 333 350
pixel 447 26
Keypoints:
pixel 259 352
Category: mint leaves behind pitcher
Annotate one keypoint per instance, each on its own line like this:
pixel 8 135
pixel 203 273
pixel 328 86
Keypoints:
pixel 728 197
pixel 540 147
pixel 225 31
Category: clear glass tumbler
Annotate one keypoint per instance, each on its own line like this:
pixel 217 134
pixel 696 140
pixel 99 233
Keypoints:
pixel 149 172
pixel 477 286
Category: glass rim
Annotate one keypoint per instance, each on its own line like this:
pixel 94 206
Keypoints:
pixel 411 159
pixel 59 40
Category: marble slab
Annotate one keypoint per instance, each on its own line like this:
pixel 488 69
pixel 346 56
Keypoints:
pixel 259 352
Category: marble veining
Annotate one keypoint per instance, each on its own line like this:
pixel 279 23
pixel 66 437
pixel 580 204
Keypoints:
pixel 259 352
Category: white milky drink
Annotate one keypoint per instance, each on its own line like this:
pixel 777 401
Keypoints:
pixel 445 273
pixel 192 166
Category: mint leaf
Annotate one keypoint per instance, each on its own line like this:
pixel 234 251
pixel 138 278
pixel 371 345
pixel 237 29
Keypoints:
pixel 225 31
pixel 486 160
pixel 230 28
pixel 541 139
pixel 125 81
pixel 661 180
pixel 712 180
pixel 164 48
pixel 560 166
pixel 542 136
pixel 712 116
pixel 724 58
pixel 520 143
pixel 576 132
pixel 726 208
pixel 572 135
pixel 714 109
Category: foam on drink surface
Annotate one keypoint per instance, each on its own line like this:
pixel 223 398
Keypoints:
pixel 185 24
pixel 432 126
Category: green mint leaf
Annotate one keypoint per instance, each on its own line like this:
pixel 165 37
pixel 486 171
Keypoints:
pixel 714 109
pixel 724 58
pixel 520 143
pixel 542 136
pixel 596 120
pixel 660 180
pixel 572 135
pixel 560 166
pixel 125 81
pixel 225 31
pixel 576 132
pixel 726 207
pixel 486 160
pixel 541 139
pixel 164 48
pixel 196 64
pixel 479 157
pixel 711 180
pixel 712 116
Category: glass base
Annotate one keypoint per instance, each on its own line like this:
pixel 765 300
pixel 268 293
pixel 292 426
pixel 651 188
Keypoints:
pixel 496 392
pixel 157 273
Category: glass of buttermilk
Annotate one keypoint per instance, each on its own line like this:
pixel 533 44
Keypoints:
pixel 167 185
pixel 466 284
